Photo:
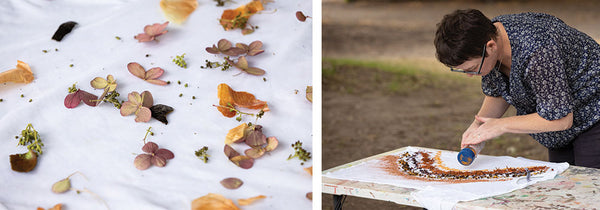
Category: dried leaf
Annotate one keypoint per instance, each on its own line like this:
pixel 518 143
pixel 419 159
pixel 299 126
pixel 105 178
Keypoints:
pixel 272 143
pixel 235 98
pixel 21 74
pixel 231 19
pixel 254 136
pixel 63 30
pixel 308 170
pixel 255 152
pixel 300 16
pixel 142 161
pixel 55 207
pixel 236 134
pixel 23 162
pixel 255 48
pixel 309 91
pixel 150 147
pixel 242 64
pixel 178 10
pixel 223 45
pixel 248 201
pixel 309 195
pixel 232 183
pixel 213 201
pixel 152 31
pixel 165 153
pixel 160 111
pixel 62 186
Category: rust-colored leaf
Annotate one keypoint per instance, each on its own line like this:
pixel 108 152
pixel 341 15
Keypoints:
pixel 23 162
pixel 213 201
pixel 229 97
pixel 21 74
pixel 237 18
pixel 55 207
pixel 308 170
pixel 248 201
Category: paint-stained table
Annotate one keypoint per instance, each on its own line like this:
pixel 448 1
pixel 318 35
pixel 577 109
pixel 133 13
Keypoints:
pixel 575 188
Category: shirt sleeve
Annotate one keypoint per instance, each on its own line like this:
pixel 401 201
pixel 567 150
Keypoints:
pixel 548 81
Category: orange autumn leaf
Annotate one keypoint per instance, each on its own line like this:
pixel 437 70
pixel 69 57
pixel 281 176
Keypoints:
pixel 55 207
pixel 308 170
pixel 231 19
pixel 229 97
pixel 248 201
pixel 22 74
pixel 213 201
pixel 235 134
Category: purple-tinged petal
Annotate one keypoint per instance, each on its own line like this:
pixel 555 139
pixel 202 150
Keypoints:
pixel 88 98
pixel 242 63
pixel 128 108
pixel 154 73
pixel 147 100
pixel 143 115
pixel 137 70
pixel 234 51
pixel 244 162
pixel 156 29
pixel 255 152
pixel 165 153
pixel 213 50
pixel 223 44
pixel 230 152
pixel 157 82
pixel 232 183
pixel 72 100
pixel 142 161
pixel 150 147
pixel 158 161
pixel 144 37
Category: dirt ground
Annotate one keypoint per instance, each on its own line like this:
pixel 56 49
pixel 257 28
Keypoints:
pixel 367 110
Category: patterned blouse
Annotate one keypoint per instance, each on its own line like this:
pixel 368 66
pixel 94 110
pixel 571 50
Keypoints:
pixel 555 70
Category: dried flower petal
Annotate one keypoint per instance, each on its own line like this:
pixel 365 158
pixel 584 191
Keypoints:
pixel 137 70
pixel 158 161
pixel 160 111
pixel 309 91
pixel 87 98
pixel 212 202
pixel 236 134
pixel 55 207
pixel 21 74
pixel 128 108
pixel 178 10
pixel 254 136
pixel 142 161
pixel 72 100
pixel 62 186
pixel 255 48
pixel 272 143
pixel 248 201
pixel 242 99
pixel 242 64
pixel 230 152
pixel 147 99
pixel 223 45
pixel 23 162
pixel 300 16
pixel 143 115
pixel 152 31
pixel 99 83
pixel 150 76
pixel 150 147
pixel 244 162
pixel 309 195
pixel 308 170
pixel 255 152
pixel 232 183
pixel 165 153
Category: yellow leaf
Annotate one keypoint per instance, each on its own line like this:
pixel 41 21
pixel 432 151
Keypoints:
pixel 235 134
pixel 178 10
pixel 213 201
pixel 248 201
pixel 22 74
pixel 309 91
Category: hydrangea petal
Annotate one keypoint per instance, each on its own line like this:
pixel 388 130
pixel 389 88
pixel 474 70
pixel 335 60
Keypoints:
pixel 150 147
pixel 165 153
pixel 137 70
pixel 154 73
pixel 142 161
pixel 143 114
pixel 158 161
pixel 128 108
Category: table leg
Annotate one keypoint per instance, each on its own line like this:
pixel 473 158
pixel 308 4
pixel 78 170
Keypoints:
pixel 338 201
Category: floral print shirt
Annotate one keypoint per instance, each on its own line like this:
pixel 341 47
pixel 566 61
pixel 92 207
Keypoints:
pixel 555 70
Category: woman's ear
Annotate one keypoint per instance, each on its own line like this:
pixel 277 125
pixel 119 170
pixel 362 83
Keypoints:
pixel 491 47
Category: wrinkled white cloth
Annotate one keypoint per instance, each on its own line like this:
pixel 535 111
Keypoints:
pixel 439 195
pixel 102 144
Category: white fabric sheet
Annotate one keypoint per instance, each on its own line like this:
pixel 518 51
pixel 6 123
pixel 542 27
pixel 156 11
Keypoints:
pixel 100 143
pixel 440 195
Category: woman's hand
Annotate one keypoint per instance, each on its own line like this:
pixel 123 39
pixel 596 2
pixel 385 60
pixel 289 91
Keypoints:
pixel 482 129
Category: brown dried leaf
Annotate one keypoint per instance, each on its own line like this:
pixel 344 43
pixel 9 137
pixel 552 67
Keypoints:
pixel 23 162
pixel 178 10
pixel 248 201
pixel 309 195
pixel 309 91
pixel 232 183
pixel 213 201
pixel 300 16
pixel 22 74
pixel 55 207
pixel 243 99
pixel 236 134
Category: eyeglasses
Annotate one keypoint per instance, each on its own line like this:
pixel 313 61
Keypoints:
pixel 472 72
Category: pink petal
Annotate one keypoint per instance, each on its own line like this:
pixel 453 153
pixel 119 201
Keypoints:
pixel 148 101
pixel 165 153
pixel 157 82
pixel 150 147
pixel 156 29
pixel 72 100
pixel 144 37
pixel 224 44
pixel 88 98
pixel 154 73
pixel 128 108
pixel 254 152
pixel 158 161
pixel 143 115
pixel 212 50
pixel 230 152
pixel 137 70
pixel 242 63
pixel 142 161
pixel 134 97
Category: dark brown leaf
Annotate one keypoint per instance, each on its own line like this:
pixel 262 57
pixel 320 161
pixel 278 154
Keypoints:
pixel 160 111
pixel 23 162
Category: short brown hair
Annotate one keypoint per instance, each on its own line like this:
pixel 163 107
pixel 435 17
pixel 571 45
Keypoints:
pixel 461 35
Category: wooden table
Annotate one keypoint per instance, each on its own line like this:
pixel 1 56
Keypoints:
pixel 575 188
